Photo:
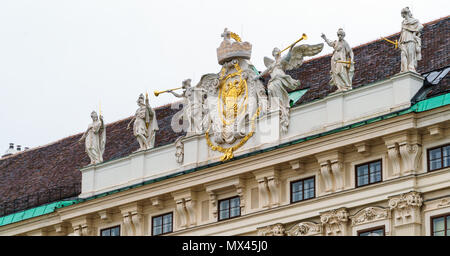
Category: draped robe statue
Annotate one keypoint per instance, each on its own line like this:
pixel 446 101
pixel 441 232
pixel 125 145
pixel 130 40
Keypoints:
pixel 145 124
pixel 95 136
pixel 341 73
pixel 410 43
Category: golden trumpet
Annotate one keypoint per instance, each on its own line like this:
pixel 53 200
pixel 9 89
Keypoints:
pixel 395 43
pixel 159 92
pixel 304 37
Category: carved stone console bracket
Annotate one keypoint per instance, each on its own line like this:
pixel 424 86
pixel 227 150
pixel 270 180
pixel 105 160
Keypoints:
pixel 133 220
pixel 335 222
pixel 404 152
pixel 332 170
pixel 272 230
pixel 298 166
pixel 82 226
pixel 269 186
pixel 406 208
pixel 185 207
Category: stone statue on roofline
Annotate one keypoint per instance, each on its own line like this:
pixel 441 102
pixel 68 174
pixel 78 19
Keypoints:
pixel 95 139
pixel 342 65
pixel 145 124
pixel 279 80
pixel 410 43
pixel 193 106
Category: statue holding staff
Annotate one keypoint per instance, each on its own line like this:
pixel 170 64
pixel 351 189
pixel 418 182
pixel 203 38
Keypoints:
pixel 145 124
pixel 95 136
pixel 342 65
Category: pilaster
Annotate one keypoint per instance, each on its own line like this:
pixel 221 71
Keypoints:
pixel 406 213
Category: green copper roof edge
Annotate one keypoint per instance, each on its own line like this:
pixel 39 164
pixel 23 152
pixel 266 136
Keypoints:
pixel 418 107
pixel 31 213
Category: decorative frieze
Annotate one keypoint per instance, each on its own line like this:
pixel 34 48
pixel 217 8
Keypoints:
pixel 406 208
pixel 305 229
pixel 272 230
pixel 369 214
pixel 335 222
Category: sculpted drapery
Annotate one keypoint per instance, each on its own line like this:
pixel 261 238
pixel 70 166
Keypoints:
pixel 95 139
pixel 145 124
pixel 410 43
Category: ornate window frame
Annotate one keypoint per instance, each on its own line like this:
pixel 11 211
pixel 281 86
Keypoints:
pixel 229 209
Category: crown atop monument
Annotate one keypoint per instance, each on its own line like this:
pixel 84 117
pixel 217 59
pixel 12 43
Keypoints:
pixel 229 50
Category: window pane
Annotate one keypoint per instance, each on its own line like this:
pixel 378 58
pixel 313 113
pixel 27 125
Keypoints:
pixel 309 183
pixel 378 232
pixel 167 218
pixel 309 193
pixel 115 231
pixel 435 154
pixel 106 232
pixel 297 196
pixel 167 228
pixel 375 176
pixel 157 221
pixel 363 170
pixel 297 186
pixel 363 180
pixel 224 215
pixel 375 167
pixel 235 212
pixel 435 164
pixel 446 151
pixel 235 202
pixel 438 226
pixel 224 204
pixel 157 230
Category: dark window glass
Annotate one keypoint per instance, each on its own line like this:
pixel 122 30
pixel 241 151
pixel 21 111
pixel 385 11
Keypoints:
pixel 374 232
pixel 440 226
pixel 114 231
pixel 229 208
pixel 439 158
pixel 162 224
pixel 368 173
pixel 302 190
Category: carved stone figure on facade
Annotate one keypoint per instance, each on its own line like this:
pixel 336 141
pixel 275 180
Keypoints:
pixel 410 43
pixel 145 124
pixel 179 150
pixel 279 80
pixel 95 136
pixel 192 106
pixel 342 65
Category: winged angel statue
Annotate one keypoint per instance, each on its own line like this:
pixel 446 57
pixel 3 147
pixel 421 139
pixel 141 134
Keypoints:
pixel 279 97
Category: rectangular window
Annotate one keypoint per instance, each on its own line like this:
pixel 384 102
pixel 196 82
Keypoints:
pixel 229 208
pixel 113 231
pixel 438 158
pixel 377 231
pixel 440 225
pixel 302 189
pixel 368 173
pixel 162 224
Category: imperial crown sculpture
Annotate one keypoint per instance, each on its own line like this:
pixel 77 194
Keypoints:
pixel 236 49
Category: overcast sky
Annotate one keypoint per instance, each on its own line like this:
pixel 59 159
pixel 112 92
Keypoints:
pixel 59 59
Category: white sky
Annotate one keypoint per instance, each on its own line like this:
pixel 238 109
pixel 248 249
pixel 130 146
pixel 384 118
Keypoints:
pixel 59 59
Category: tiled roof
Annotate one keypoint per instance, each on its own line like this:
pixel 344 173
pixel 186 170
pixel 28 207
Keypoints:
pixel 57 164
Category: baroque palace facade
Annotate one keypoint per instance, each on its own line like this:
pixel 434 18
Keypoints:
pixel 367 154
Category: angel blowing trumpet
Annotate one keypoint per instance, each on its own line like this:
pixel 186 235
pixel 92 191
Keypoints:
pixel 279 97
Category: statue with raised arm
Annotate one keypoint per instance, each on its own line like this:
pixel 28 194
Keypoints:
pixel 410 43
pixel 342 65
pixel 95 139
pixel 192 106
pixel 145 124
pixel 279 80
